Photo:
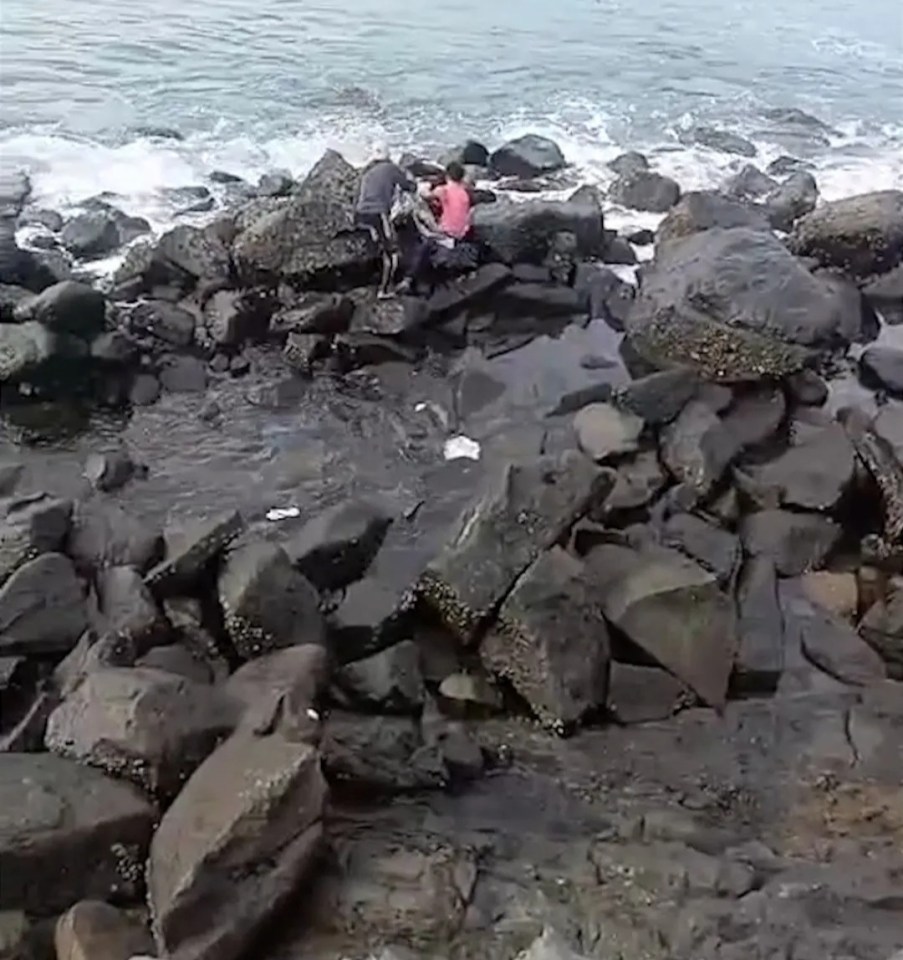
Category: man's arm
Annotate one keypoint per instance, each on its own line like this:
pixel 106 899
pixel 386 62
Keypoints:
pixel 403 181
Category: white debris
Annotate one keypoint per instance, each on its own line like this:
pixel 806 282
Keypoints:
pixel 461 447
pixel 283 513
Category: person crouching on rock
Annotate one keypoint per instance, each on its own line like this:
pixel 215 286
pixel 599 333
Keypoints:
pixel 380 181
pixel 454 202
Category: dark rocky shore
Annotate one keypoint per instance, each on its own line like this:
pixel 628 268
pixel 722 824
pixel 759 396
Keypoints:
pixel 627 685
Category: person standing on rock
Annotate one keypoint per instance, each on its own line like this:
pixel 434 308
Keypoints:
pixel 381 180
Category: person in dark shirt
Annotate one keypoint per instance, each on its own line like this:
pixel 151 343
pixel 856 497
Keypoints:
pixel 379 184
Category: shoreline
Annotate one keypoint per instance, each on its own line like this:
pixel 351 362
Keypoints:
pixel 634 669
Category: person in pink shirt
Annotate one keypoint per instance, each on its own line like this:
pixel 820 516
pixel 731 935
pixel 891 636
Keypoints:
pixel 454 202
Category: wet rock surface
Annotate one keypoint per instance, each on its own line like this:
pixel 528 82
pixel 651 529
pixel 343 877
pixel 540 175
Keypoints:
pixel 563 711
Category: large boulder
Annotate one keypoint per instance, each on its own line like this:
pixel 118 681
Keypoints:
pixel 141 724
pixel 235 846
pixel 644 190
pixel 331 176
pixel 15 189
pixel 67 833
pixel 104 535
pixel 31 526
pixel 703 210
pixel 550 641
pixel 524 232
pixel 94 930
pixel 737 304
pixel 527 156
pixel 792 542
pixel 794 198
pixel 183 258
pixel 829 643
pixel 310 240
pixel 29 351
pixel 882 628
pixel 42 608
pixel 67 307
pixel 128 611
pixel 525 509
pixel 88 235
pixel 388 682
pixel 163 321
pixel 299 674
pixel 882 368
pixel 672 609
pixel 749 184
pixel 861 235
pixel 813 475
pixel 722 140
pixel 266 603
pixel 190 549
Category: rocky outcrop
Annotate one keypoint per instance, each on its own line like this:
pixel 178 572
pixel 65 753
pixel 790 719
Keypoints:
pixel 266 603
pixel 550 641
pixel 644 190
pixel 524 511
pixel 139 724
pixel 523 232
pixel 237 843
pixel 735 304
pixel 861 235
pixel 68 833
pixel 702 210
pixel 527 156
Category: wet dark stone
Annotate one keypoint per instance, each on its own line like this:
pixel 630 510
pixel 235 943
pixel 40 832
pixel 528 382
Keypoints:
pixel 183 374
pixel 335 548
pixel 387 682
pixel 145 390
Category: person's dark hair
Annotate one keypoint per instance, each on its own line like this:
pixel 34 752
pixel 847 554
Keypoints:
pixel 455 171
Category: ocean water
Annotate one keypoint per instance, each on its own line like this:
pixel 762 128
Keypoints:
pixel 252 87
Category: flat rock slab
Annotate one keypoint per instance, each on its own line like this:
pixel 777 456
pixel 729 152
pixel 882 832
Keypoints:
pixel 266 603
pixel 524 511
pixel 831 644
pixel 659 397
pixel 189 551
pixel 141 724
pixel 42 608
pixel 603 431
pixel 672 609
pixel 794 542
pixel 816 474
pixel 68 833
pixel 550 641
pixel 236 844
